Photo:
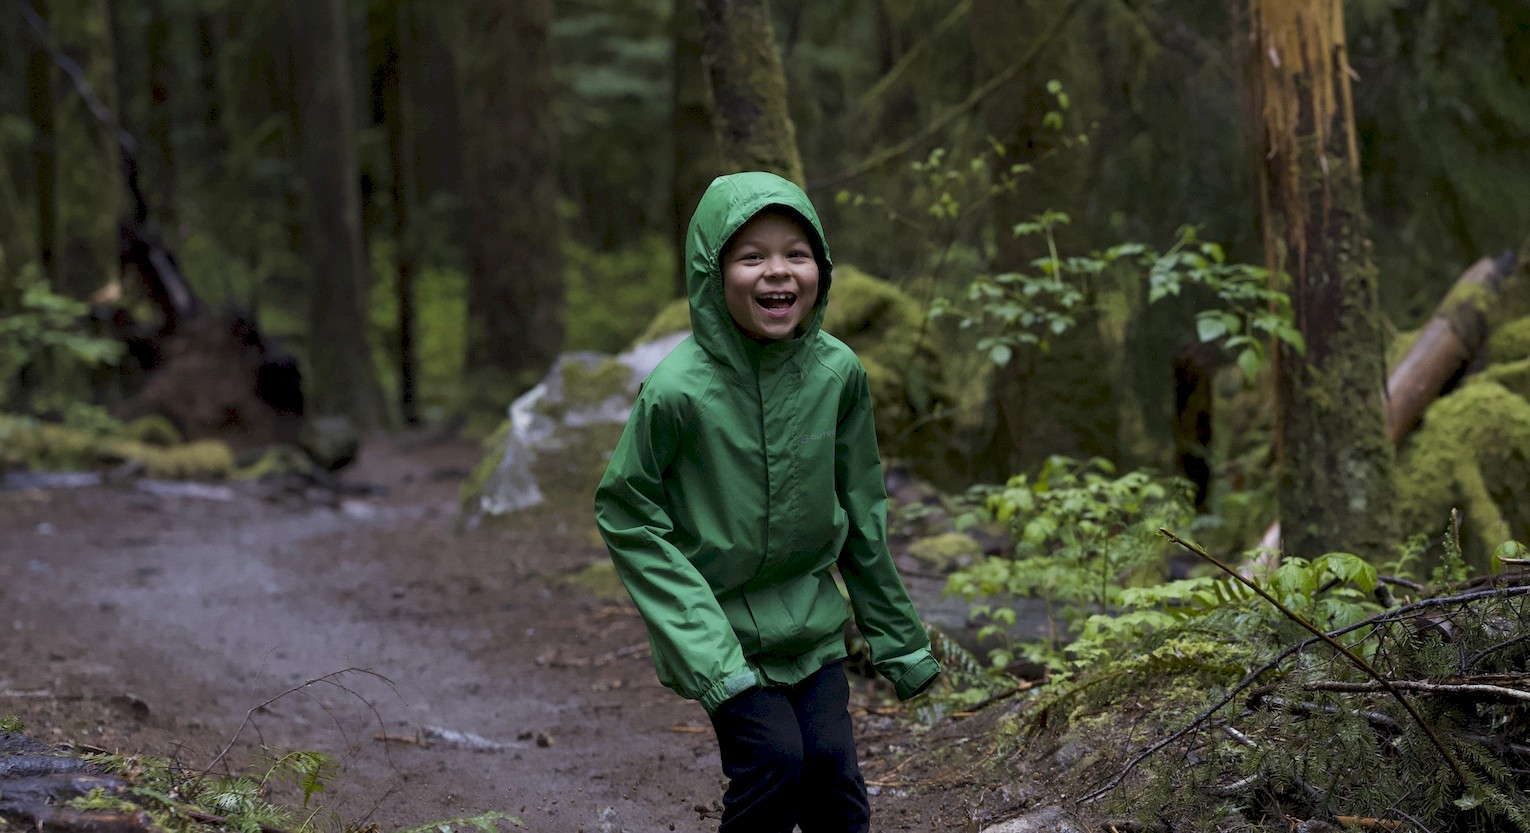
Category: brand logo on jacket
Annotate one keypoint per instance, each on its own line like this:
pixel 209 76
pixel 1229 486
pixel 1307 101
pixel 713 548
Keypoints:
pixel 821 435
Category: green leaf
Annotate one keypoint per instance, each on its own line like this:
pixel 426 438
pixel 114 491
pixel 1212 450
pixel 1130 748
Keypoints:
pixel 1000 354
pixel 1210 327
pixel 1249 362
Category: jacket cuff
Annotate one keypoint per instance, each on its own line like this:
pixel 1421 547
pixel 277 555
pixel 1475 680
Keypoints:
pixel 919 671
pixel 728 688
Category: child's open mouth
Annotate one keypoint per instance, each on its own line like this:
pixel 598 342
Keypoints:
pixel 776 302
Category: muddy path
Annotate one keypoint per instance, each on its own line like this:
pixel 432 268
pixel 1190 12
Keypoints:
pixel 448 673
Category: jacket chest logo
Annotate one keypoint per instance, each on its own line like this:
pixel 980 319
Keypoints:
pixel 821 435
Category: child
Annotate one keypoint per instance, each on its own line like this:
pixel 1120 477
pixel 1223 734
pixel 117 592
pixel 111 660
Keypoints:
pixel 747 470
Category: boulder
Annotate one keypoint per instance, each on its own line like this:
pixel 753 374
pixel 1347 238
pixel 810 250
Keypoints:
pixel 554 444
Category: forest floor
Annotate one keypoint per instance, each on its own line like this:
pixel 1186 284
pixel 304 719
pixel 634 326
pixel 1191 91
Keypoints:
pixel 449 673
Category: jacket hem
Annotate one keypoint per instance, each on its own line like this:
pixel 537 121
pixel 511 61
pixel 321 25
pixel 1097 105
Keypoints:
pixel 728 688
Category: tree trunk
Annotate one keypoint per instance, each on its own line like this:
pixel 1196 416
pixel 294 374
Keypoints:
pixel 1335 473
pixel 515 285
pixel 161 174
pixel 430 86
pixel 390 30
pixel 210 32
pixel 341 376
pixel 749 105
pixel 1059 401
pixel 44 149
pixel 696 162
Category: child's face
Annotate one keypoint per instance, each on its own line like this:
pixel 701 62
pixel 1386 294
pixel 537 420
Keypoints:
pixel 770 277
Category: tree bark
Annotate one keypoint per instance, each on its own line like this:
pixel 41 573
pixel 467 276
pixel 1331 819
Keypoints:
pixel 696 160
pixel 515 285
pixel 1335 488
pixel 749 99
pixel 391 31
pixel 342 379
pixel 44 149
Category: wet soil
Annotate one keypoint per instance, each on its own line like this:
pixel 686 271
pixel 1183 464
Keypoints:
pixel 448 672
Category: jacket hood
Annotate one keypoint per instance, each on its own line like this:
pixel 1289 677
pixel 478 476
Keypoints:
pixel 729 202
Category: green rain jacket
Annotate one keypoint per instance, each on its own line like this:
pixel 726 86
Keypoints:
pixel 745 473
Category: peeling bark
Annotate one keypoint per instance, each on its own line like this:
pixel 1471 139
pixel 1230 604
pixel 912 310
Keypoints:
pixel 1336 489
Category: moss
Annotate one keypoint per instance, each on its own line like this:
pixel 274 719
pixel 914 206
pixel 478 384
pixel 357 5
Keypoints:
pixel 588 385
pixel 199 460
pixel 1513 375
pixel 276 461
pixel 671 319
pixel 153 430
pixel 28 443
pixel 1510 342
pixel 493 451
pixel 599 580
pixel 1472 453
pixel 946 551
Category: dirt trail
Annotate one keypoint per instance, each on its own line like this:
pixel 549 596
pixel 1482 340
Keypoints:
pixel 134 622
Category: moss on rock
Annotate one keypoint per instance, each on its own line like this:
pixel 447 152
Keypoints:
pixel 1472 453
pixel 1510 342
pixel 197 460
pixel 947 551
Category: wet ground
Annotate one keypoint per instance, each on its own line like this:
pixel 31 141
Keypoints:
pixel 449 673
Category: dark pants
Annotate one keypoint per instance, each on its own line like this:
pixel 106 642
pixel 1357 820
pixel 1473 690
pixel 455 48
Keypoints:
pixel 790 759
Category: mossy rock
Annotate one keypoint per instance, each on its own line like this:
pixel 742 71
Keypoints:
pixel 197 460
pixel 1510 342
pixel 153 429
pixel 947 551
pixel 1472 453
pixel 674 318
pixel 29 443
pixel 599 580
pixel 276 461
pixel 905 364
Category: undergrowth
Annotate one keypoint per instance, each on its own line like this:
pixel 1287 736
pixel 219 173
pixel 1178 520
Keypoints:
pixel 179 799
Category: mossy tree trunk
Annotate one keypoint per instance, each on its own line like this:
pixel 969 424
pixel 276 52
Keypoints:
pixel 1059 401
pixel 1336 489
pixel 515 284
pixel 750 117
pixel 696 161
pixel 340 378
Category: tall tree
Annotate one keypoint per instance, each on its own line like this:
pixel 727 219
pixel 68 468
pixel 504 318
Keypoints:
pixel 340 377
pixel 1336 491
pixel 696 160
pixel 44 143
pixel 753 124
pixel 515 285
pixel 389 30
pixel 161 123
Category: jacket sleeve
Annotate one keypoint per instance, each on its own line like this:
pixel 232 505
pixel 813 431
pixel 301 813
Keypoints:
pixel 900 648
pixel 695 649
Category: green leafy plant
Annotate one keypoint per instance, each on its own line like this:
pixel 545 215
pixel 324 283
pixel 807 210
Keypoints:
pixel 1081 534
pixel 11 723
pixel 1019 311
pixel 49 326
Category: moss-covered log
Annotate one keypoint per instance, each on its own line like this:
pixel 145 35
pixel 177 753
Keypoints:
pixel 1454 334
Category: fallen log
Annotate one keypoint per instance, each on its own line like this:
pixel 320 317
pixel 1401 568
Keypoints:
pixel 1448 344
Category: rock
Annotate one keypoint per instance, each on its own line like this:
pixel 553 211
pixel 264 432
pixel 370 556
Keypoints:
pixel 560 433
pixel 1044 820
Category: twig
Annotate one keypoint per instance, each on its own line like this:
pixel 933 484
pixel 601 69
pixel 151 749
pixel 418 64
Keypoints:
pixel 1358 661
pixel 327 678
pixel 1417 685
